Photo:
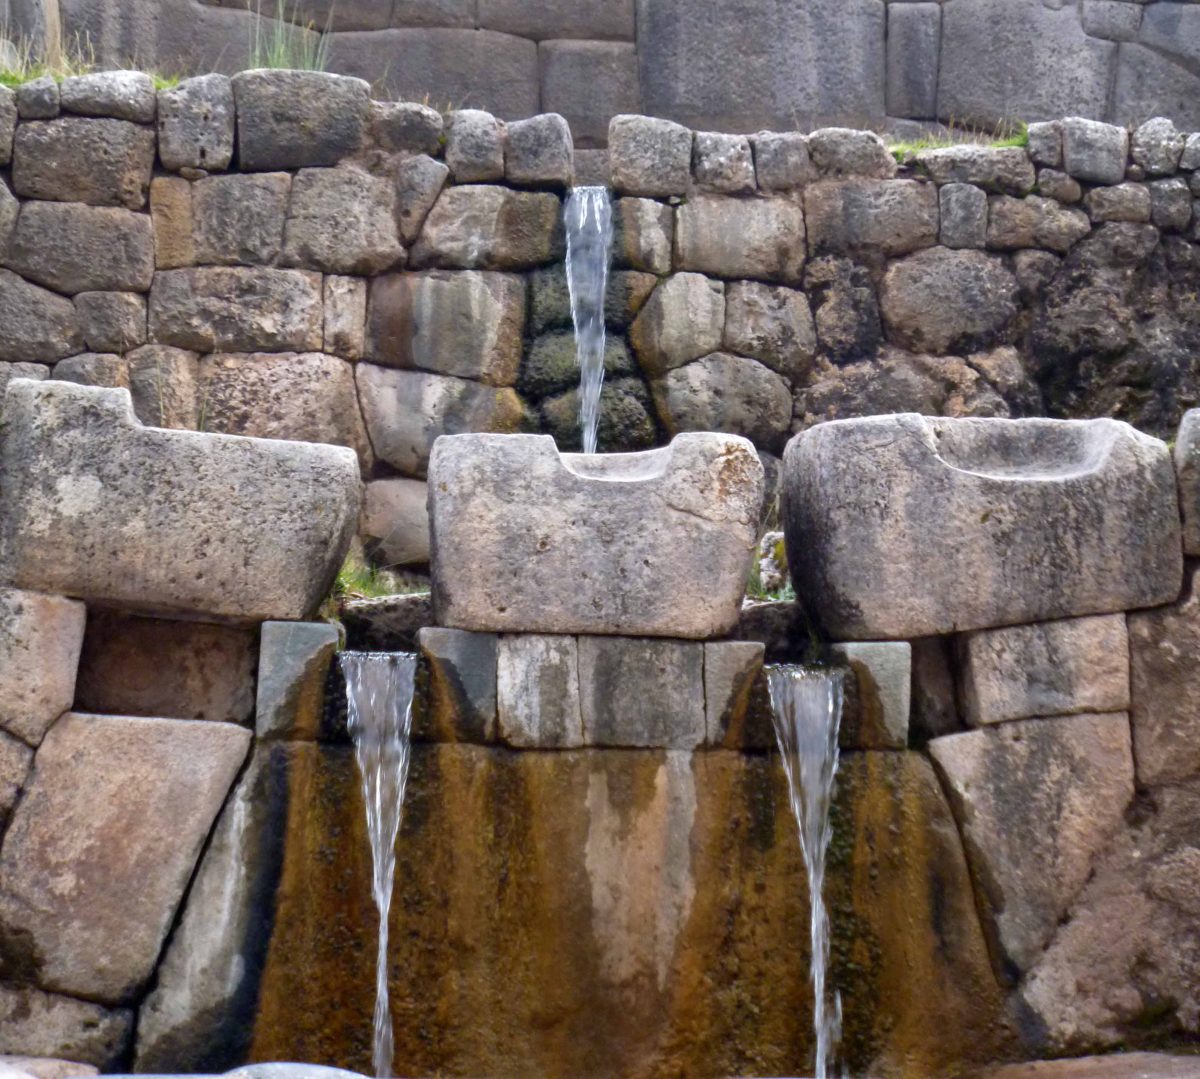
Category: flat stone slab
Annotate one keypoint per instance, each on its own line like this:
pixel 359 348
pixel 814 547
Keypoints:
pixel 652 544
pixel 1117 1066
pixel 907 526
pixel 166 521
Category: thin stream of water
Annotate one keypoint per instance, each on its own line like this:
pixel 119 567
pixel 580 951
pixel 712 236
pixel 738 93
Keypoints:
pixel 807 707
pixel 379 693
pixel 588 219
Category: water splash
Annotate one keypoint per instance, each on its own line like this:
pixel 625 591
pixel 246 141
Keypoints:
pixel 379 693
pixel 588 218
pixel 807 708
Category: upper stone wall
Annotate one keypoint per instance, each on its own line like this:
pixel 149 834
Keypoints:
pixel 717 64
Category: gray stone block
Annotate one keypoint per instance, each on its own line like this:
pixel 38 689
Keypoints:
pixel 452 13
pixel 730 671
pixel 474 146
pixel 613 672
pixel 235 220
pixel 773 325
pixel 345 316
pixel 539 153
pixel 1045 142
pixel 38 325
pixel 843 151
pixel 643 235
pixel 116 321
pixel 8 124
pixel 298 119
pixel 481 227
pixel 1150 83
pixel 761 239
pixel 462 685
pixel 964 216
pixel 683 320
pixel 1157 146
pixel 395 522
pixel 649 156
pixel 1094 152
pixel 1045 669
pixel 846 216
pixel 1037 520
pixel 1190 158
pixel 38 98
pixel 196 122
pixel 1170 204
pixel 48 1025
pixel 406 127
pixel 782 161
pixel 649 519
pixel 1187 469
pixel 589 82
pixel 271 520
pixel 123 95
pixel 882 673
pixel 1114 20
pixel 537 688
pixel 610 20
pixel 1006 169
pixel 94 369
pixel 723 163
pixel 342 221
pixel 75 159
pixel 419 181
pixel 914 34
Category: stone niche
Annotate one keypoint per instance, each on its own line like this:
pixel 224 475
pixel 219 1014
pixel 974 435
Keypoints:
pixel 905 526
pixel 655 544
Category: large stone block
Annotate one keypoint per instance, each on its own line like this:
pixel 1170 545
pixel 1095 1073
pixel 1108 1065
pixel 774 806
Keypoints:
pixel 34 1023
pixel 234 220
pixel 848 151
pixel 895 216
pixel 40 640
pixel 123 95
pixel 237 310
pixel 1150 82
pixel 164 383
pixel 619 541
pixel 38 325
pixel 474 146
pixel 490 228
pixel 71 248
pixel 167 521
pixel 683 320
pixel 643 235
pixel 91 877
pixel 466 324
pixel 782 161
pixel 1037 800
pixel 906 526
pixel 771 324
pixel 914 37
pixel 559 18
pixel 342 221
pixel 196 124
pixel 755 238
pixel 1034 222
pixel 1093 151
pixel 588 83
pixel 537 690
pixel 650 157
pixel 111 321
pixel 101 162
pixel 295 119
pixel 462 685
pixel 134 666
pixel 1005 169
pixel 293 662
pixel 406 411
pixel 406 127
pixel 1045 669
pixel 395 522
pixel 539 152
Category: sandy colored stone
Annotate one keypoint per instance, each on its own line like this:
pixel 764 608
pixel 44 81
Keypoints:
pixel 342 221
pixel 41 1024
pixel 345 316
pixel 683 319
pixel 1034 222
pixel 895 216
pixel 755 238
pixel 171 215
pixel 478 226
pixel 77 159
pixel 395 522
pixel 16 758
pixel 237 220
pixel 643 234
pixel 657 543
pixel 92 879
pixel 167 521
pixel 537 692
pixel 164 384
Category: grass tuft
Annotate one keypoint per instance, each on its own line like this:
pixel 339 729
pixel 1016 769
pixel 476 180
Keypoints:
pixel 283 41
pixel 24 62
pixel 1008 134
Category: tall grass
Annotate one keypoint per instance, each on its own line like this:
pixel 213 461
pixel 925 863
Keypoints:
pixel 26 61
pixel 1008 134
pixel 282 41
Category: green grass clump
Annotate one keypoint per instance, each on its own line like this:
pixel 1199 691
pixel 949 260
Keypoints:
pixel 1010 134
pixel 25 62
pixel 281 41
pixel 358 580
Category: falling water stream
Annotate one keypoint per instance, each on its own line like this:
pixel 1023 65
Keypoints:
pixel 588 216
pixel 807 707
pixel 379 693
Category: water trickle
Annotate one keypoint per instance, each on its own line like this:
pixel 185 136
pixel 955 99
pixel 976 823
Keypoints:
pixel 379 692
pixel 806 704
pixel 588 217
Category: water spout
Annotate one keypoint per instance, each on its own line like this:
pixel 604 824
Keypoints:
pixel 807 708
pixel 588 218
pixel 379 693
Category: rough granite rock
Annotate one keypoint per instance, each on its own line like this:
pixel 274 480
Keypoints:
pixel 395 522
pixel 845 308
pixel 537 692
pixel 94 369
pixel 77 159
pixel 196 124
pixel 755 238
pixel 625 424
pixel 345 316
pixel 771 324
pixel 406 127
pixel 643 235
pixel 236 220
pixel 1034 222
pixel 1170 204
pixel 1187 470
pixel 538 152
pixel 552 365
pixel 474 146
pixel 1058 186
pixel 683 319
pixel 1036 520
pixel 342 221
pixel 1045 669
pixel 164 383
pixel 882 690
pixel 1093 151
pixel 419 182
pixel 261 526
pixel 122 95
pixel 647 520
pixel 1122 202
pixel 40 640
pixel 41 1024
pixel 963 212
pixel 490 228
pixel 782 161
pixel 649 157
pixel 1005 783
pixel 86 906
pixel 1003 170
pixel 38 98
pixel 894 216
pixel 1157 146
pixel 8 124
pixel 842 151
pixel 111 321
pixel 723 163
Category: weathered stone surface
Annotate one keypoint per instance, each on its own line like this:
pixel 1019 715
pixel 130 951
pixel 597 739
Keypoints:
pixel 649 157
pixel 771 324
pixel 10 208
pixel 845 308
pixel 625 425
pixel 913 43
pixel 263 526
pixel 462 684
pixel 1115 1066
pixel 1170 204
pixel 235 309
pixel 239 220
pixel 89 914
pixel 293 661
pixel 538 692
pixel 559 19
pixel 15 760
pixel 1034 222
pixel 942 301
pixel 1114 20
pixel 296 119
pixel 895 216
pixel 1045 669
pixel 1031 515
pixel 345 316
pixel 164 384
pixel 490 228
pixel 47 1067
pixel 616 712
pixel 1006 782
pixel 474 146
pixel 1005 170
pixel 589 82
pixel 101 162
pixel 550 302
pixel 305 397
pixel 882 673
pixel 756 238
pixel 406 411
pixel 723 392
pixel 730 671
pixel 395 522
pixel 111 321
pixel 123 95
pixel 1190 158
pixel 72 248
pixel 1045 143
pixel 1161 644
pixel 40 641
pixel 406 127
pixel 9 371
pixel 963 212
pixel 8 124
pixel 341 221
pixel 782 161
pixel 38 98
pixel 552 365
pixel 419 182
pixel 538 152
pixel 1058 186
pixel 93 369
pixel 196 124
pixel 1034 271
pixel 643 235
pixel 683 320
pixel 388 624
pixel 469 325
pixel 1093 151
pixel 171 211
pixel 842 151
pixel 1187 469
pixel 44 1024
pixel 133 666
pixel 723 163
pixel 1124 202
pixel 1157 146
pixel 696 502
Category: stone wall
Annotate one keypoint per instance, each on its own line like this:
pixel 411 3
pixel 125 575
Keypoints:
pixel 707 63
